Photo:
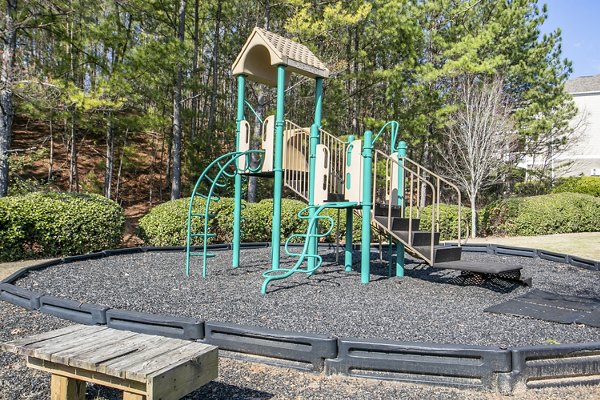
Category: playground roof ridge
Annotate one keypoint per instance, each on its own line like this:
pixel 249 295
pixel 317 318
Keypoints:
pixel 293 50
pixel 259 66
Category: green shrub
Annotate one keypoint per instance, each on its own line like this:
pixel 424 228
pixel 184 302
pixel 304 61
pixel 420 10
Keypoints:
pixel 544 215
pixel 165 225
pixel 57 224
pixel 532 188
pixel 448 221
pixel 580 184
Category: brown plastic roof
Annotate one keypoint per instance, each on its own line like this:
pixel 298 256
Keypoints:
pixel 264 50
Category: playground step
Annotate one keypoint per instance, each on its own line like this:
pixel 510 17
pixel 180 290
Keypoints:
pixel 335 198
pixel 382 210
pixel 260 174
pixel 399 224
pixel 419 238
pixel 441 254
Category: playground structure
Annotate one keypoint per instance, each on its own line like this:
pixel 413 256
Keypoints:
pixel 324 171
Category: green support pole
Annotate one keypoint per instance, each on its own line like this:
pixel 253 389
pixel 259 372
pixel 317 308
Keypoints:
pixel 314 141
pixel 237 209
pixel 365 246
pixel 348 245
pixel 278 168
pixel 402 150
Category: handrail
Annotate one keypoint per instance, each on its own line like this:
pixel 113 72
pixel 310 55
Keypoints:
pixel 254 112
pixel 439 179
pixel 394 134
pixel 377 155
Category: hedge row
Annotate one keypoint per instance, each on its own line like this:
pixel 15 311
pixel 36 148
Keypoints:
pixel 580 184
pixel 58 224
pixel 543 215
pixel 165 224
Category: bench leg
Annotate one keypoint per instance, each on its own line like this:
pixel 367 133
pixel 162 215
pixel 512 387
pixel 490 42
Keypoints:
pixel 63 388
pixel 133 396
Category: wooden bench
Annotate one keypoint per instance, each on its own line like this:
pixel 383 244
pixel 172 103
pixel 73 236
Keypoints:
pixel 143 366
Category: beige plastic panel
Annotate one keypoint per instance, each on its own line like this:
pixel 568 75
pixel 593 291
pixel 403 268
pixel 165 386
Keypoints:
pixel 295 150
pixel 392 181
pixel 321 174
pixel 244 144
pixel 354 173
pixel 268 142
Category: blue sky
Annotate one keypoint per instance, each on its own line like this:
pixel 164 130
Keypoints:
pixel 579 21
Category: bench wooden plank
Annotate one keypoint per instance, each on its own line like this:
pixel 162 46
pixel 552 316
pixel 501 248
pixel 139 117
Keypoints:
pixel 44 348
pixel 119 367
pixel 165 361
pixel 13 345
pixel 67 342
pixel 85 349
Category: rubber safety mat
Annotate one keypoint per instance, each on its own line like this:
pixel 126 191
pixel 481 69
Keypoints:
pixel 552 307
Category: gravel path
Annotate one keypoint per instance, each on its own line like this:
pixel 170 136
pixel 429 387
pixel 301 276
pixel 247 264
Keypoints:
pixel 428 305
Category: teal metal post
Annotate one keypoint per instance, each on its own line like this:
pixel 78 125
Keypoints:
pixel 348 245
pixel 402 149
pixel 349 213
pixel 278 168
pixel 237 208
pixel 314 141
pixel 365 246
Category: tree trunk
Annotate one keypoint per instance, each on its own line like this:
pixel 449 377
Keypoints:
pixel 176 155
pixel 255 144
pixel 121 166
pixel 73 175
pixel 6 94
pixel 473 199
pixel 215 75
pixel 195 72
pixel 51 161
pixel 110 155
pixel 256 137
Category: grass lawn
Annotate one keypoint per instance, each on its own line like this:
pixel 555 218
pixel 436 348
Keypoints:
pixel 586 245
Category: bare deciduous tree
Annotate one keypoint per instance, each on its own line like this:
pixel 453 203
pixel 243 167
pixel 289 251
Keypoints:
pixel 479 136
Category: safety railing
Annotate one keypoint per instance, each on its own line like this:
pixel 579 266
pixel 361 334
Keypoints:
pixel 337 161
pixel 384 194
pixel 438 182
pixel 296 160
pixel 296 152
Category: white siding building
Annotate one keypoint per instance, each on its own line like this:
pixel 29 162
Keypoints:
pixel 585 154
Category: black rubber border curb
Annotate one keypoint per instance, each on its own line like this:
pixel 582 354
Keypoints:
pixel 279 345
pixel 154 324
pixel 464 366
pixel 478 367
